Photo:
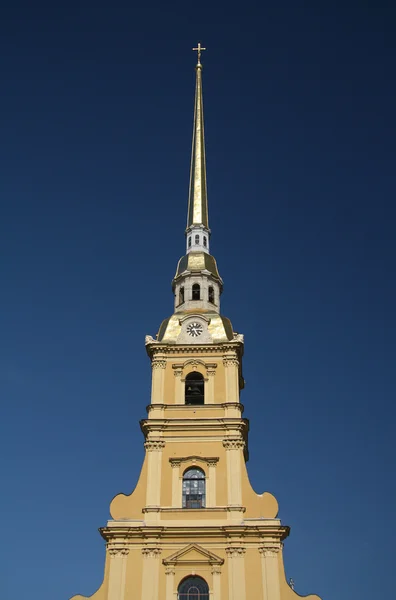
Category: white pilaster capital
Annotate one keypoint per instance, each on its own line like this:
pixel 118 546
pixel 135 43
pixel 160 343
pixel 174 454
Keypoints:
pixel 170 570
pixel 233 443
pixel 151 552
pixel 118 552
pixel 235 551
pixel 269 551
pixel 158 363
pixel 231 361
pixel 154 445
pixel 216 570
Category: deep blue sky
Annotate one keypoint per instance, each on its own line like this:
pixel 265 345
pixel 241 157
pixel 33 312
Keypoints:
pixel 95 120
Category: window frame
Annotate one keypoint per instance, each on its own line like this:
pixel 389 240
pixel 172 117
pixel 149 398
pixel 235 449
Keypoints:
pixel 194 489
pixel 187 585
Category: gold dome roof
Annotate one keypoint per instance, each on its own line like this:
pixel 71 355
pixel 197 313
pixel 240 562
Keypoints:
pixel 220 328
pixel 198 262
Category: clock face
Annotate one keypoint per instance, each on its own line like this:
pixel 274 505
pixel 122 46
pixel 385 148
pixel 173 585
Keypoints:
pixel 194 329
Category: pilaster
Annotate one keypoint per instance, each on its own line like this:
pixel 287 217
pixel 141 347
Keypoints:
pixel 270 572
pixel 209 384
pixel 118 559
pixel 179 385
pixel 158 366
pixel 236 573
pixel 170 582
pixel 216 574
pixel 151 563
pixel 234 447
pixel 154 463
pixel 176 484
pixel 211 487
pixel 231 364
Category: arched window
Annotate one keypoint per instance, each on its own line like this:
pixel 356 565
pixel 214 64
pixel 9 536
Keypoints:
pixel 181 295
pixel 205 241
pixel 193 488
pixel 197 239
pixel 196 292
pixel 211 295
pixel 194 390
pixel 193 588
pixel 189 242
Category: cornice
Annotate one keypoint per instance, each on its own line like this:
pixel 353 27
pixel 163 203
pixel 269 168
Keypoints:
pixel 187 273
pixel 153 347
pixel 204 425
pixel 195 407
pixel 268 535
pixel 193 511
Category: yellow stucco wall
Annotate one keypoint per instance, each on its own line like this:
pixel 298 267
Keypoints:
pixel 242 542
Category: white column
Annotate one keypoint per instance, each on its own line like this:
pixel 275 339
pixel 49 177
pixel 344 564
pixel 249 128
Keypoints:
pixel 231 364
pixel 236 573
pixel 211 487
pixel 151 561
pixel 154 462
pixel 234 448
pixel 216 573
pixel 270 572
pixel 158 366
pixel 170 582
pixel 118 559
pixel 176 495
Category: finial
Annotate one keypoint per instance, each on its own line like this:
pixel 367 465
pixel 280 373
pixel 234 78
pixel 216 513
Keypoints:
pixel 199 50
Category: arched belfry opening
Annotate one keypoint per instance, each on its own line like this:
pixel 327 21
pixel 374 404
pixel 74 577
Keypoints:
pixel 195 388
pixel 196 292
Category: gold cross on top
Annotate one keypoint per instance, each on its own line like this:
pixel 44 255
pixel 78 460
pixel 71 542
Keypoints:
pixel 199 50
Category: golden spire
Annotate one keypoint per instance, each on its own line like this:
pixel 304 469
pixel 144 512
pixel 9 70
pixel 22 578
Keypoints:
pixel 197 198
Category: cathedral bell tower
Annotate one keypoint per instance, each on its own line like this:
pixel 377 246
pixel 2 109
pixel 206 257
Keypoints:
pixel 193 528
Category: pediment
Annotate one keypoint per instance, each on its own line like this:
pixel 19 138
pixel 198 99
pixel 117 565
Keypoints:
pixel 195 316
pixel 193 554
pixel 194 459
